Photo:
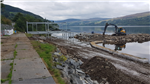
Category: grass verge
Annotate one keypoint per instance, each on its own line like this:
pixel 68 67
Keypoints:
pixel 6 35
pixel 28 35
pixel 44 51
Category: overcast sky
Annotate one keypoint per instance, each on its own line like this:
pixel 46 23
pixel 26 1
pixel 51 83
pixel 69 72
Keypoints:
pixel 81 9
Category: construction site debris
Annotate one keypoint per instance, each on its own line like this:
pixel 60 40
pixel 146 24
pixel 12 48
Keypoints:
pixel 114 39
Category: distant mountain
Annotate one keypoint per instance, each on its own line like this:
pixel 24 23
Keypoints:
pixel 144 14
pixel 68 20
pixel 10 11
pixel 82 22
pixel 130 20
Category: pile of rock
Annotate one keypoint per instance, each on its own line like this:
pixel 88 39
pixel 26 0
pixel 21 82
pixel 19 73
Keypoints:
pixel 85 36
pixel 128 38
pixel 70 69
pixel 114 39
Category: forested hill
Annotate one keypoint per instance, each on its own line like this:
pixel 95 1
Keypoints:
pixel 10 11
pixel 131 20
pixel 128 20
pixel 82 22
pixel 11 14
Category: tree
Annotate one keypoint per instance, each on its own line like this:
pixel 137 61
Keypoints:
pixel 20 25
pixel 17 16
pixel 5 20
pixel 2 5
pixel 21 19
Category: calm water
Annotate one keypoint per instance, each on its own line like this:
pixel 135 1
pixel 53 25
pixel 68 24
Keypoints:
pixel 100 29
pixel 134 48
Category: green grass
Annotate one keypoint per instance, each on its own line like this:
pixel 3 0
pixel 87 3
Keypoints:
pixel 44 51
pixel 6 35
pixel 16 46
pixel 29 35
pixel 1 42
pixel 63 58
pixel 2 80
pixel 7 59
pixel 11 64
pixel 15 54
pixel 42 35
pixel 10 74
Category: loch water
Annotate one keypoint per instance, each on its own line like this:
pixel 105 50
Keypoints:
pixel 134 48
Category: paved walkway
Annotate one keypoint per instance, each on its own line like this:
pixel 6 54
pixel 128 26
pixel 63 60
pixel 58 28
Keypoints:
pixel 28 67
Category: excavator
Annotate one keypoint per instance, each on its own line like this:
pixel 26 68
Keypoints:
pixel 119 47
pixel 118 31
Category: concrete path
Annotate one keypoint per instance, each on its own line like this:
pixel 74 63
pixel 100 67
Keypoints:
pixel 28 67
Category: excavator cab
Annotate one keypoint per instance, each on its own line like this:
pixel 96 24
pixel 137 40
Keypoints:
pixel 118 31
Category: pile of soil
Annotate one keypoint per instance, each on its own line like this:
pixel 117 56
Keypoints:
pixel 101 69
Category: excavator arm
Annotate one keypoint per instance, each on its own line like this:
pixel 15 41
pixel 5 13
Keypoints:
pixel 106 25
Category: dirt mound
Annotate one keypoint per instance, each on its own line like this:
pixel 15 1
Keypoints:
pixel 102 70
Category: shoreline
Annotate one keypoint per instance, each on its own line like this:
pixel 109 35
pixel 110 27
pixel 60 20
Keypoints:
pixel 125 55
pixel 86 53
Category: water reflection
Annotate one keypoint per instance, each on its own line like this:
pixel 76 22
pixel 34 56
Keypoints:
pixel 118 47
pixel 137 49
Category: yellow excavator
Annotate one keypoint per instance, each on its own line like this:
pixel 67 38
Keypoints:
pixel 118 47
pixel 118 31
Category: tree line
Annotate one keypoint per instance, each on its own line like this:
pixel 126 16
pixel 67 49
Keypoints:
pixel 20 18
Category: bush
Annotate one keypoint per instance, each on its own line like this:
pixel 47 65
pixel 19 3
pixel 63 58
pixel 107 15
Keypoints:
pixel 4 20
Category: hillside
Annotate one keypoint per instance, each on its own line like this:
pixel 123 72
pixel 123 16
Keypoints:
pixel 10 11
pixel 82 22
pixel 130 20
pixel 12 14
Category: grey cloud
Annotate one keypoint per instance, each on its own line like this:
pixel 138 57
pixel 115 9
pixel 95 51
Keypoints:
pixel 82 10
